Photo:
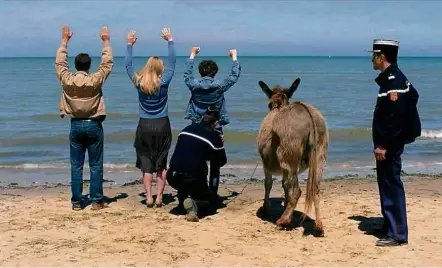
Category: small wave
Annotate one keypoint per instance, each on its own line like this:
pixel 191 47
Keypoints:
pixel 240 166
pixel 35 166
pixel 432 134
pixel 232 137
pixel 111 166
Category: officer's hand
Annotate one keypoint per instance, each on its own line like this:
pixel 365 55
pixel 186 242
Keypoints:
pixel 379 153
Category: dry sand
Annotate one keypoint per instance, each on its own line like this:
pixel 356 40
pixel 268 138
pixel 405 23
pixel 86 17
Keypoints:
pixel 38 228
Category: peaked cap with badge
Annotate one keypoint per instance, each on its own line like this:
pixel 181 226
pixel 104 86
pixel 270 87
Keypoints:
pixel 389 48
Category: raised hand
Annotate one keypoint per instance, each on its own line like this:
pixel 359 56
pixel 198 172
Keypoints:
pixel 194 51
pixel 166 34
pixel 66 34
pixel 104 34
pixel 233 53
pixel 131 38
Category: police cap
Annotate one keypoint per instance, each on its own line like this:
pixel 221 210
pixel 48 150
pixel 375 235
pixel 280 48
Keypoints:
pixel 389 48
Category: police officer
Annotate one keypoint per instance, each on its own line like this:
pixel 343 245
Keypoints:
pixel 395 123
pixel 197 144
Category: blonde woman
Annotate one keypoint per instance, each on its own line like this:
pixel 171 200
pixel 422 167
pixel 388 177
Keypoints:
pixel 153 135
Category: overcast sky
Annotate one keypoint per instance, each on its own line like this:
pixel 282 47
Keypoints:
pixel 33 28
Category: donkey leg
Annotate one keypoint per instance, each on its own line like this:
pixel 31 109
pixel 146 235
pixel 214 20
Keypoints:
pixel 319 228
pixel 268 183
pixel 293 192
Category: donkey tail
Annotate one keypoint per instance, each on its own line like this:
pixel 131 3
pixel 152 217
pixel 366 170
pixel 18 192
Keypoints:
pixel 313 171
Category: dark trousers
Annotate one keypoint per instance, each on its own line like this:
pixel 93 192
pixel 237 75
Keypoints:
pixel 195 187
pixel 215 172
pixel 392 195
pixel 86 135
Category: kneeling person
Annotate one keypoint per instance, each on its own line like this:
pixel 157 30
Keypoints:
pixel 197 144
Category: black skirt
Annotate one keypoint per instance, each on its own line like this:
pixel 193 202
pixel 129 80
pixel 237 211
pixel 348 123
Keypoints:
pixel 153 139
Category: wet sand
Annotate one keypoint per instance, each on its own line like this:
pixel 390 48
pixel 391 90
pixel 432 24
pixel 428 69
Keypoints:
pixel 38 228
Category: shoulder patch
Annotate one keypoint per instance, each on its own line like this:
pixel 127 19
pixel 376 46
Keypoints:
pixel 393 96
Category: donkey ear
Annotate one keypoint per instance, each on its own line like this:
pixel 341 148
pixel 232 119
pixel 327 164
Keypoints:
pixel 265 89
pixel 293 88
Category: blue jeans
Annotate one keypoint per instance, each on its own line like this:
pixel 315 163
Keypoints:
pixel 86 135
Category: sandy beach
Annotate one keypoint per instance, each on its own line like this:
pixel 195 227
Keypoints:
pixel 38 228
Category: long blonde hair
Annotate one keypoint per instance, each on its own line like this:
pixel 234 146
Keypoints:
pixel 150 75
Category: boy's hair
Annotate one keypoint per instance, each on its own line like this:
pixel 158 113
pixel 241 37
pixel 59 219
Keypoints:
pixel 211 115
pixel 82 62
pixel 208 68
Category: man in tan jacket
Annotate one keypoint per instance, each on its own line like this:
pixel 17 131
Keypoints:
pixel 82 100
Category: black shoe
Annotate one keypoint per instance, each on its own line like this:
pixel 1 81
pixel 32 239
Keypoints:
pixel 389 242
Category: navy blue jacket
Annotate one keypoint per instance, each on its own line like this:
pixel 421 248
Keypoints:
pixel 198 144
pixel 396 120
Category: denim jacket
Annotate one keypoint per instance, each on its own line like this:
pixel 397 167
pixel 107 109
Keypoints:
pixel 208 91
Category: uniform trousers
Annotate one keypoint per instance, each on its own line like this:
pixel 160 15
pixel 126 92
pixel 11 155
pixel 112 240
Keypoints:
pixel 392 194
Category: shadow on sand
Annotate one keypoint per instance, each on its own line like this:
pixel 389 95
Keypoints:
pixel 86 201
pixel 366 224
pixel 277 209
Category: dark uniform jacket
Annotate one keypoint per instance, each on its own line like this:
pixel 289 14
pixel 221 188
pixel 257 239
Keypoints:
pixel 198 144
pixel 396 119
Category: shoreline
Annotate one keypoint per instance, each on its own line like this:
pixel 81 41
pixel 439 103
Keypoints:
pixel 39 228
pixel 225 179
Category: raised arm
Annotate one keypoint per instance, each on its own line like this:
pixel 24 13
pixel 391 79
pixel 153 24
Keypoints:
pixel 171 59
pixel 131 39
pixel 107 60
pixel 235 71
pixel 189 79
pixel 61 59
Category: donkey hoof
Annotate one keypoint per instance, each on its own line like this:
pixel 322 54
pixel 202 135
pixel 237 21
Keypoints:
pixel 283 221
pixel 318 232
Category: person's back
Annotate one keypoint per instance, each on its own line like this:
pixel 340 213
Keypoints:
pixel 152 104
pixel 153 135
pixel 209 91
pixel 82 100
pixel 196 145
pixel 82 92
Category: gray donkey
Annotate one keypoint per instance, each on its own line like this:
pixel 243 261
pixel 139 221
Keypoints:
pixel 293 138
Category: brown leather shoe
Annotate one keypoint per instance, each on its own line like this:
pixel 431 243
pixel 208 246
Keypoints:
pixel 98 206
